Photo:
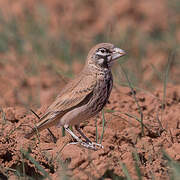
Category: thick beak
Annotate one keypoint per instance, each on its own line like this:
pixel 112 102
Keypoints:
pixel 117 53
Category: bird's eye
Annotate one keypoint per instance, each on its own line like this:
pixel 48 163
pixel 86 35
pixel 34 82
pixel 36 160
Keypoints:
pixel 102 50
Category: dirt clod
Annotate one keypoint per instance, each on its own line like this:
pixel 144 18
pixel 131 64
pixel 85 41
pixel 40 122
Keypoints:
pixel 119 143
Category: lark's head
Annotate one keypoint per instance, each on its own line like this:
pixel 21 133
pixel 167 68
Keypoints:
pixel 103 55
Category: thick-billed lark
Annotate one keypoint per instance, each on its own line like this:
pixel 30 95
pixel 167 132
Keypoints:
pixel 83 97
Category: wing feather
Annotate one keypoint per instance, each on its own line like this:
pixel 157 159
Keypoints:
pixel 74 94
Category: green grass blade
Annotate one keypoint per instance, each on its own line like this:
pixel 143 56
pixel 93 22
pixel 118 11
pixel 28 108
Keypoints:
pixel 30 158
pixel 166 74
pixel 174 165
pixel 97 135
pixel 137 168
pixel 58 153
pixel 23 167
pixel 137 119
pixel 125 171
pixel 63 132
pixel 3 117
pixel 159 74
pixel 103 125
pixel 134 96
pixel 15 171
pixel 165 80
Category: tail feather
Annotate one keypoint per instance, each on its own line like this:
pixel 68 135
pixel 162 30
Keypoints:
pixel 29 135
pixel 45 122
pixel 39 127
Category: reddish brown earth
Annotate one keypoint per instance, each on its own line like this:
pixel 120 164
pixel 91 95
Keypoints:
pixel 147 30
pixel 122 137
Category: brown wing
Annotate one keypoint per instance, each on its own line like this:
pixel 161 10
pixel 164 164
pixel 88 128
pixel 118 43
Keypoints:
pixel 72 95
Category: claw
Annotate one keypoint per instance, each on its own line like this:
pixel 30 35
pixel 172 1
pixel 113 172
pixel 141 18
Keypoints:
pixel 87 145
pixel 99 145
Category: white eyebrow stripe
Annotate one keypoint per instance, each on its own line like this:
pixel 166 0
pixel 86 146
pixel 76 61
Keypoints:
pixel 103 54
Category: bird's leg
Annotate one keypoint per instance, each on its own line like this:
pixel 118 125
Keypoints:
pixel 86 138
pixel 79 141
pixel 72 134
pixel 82 134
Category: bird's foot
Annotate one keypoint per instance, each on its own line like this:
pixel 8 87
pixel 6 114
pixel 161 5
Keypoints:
pixel 89 145
pixel 96 144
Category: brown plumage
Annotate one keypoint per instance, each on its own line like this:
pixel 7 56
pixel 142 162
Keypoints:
pixel 84 96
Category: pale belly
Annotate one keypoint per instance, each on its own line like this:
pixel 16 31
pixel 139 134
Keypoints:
pixel 98 100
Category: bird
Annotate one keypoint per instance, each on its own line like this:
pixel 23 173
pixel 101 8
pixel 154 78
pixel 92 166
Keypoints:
pixel 84 96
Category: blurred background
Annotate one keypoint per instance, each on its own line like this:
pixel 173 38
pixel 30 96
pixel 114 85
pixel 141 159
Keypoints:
pixel 43 44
